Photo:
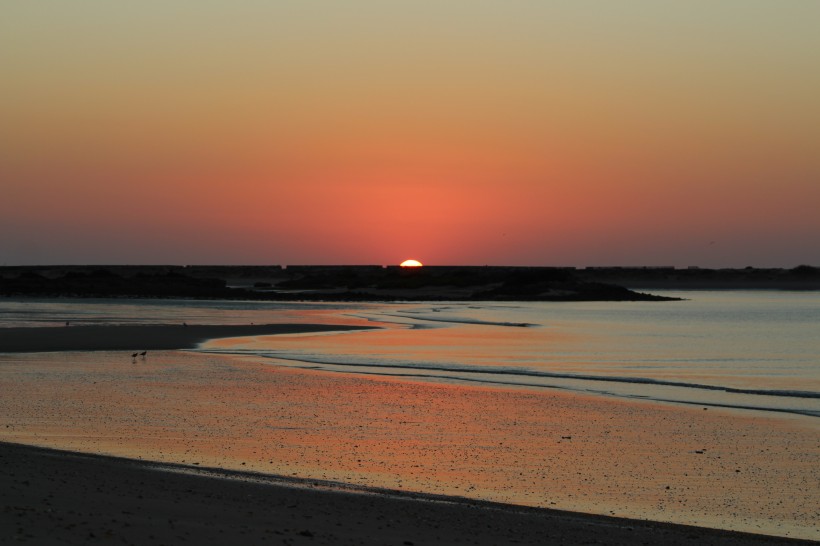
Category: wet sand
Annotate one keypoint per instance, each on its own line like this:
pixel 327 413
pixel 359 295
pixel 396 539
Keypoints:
pixel 52 497
pixel 547 449
pixel 142 337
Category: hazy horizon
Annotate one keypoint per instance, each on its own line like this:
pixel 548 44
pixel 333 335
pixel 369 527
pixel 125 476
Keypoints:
pixel 284 265
pixel 551 133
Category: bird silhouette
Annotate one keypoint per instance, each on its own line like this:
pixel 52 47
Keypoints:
pixel 142 354
pixel 134 357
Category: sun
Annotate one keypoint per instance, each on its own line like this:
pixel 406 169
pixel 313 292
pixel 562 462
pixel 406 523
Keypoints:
pixel 411 263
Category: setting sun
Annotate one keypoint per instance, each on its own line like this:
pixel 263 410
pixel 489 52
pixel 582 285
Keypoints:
pixel 411 263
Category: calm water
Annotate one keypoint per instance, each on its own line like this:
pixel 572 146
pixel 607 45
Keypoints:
pixel 749 350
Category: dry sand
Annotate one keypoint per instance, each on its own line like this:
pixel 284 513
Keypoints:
pixel 539 448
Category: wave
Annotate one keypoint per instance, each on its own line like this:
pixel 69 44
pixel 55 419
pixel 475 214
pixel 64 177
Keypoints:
pixel 465 371
pixel 735 398
pixel 460 320
pixel 797 411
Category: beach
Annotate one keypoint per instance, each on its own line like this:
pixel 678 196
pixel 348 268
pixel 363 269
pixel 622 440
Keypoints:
pixel 410 273
pixel 541 449
pixel 142 337
pixel 53 497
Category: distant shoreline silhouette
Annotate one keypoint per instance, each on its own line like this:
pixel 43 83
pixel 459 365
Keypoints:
pixel 393 283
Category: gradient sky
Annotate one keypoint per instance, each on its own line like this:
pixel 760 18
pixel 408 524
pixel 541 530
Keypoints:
pixel 369 131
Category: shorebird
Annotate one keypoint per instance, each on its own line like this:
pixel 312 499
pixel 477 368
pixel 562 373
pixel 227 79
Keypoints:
pixel 142 354
pixel 134 357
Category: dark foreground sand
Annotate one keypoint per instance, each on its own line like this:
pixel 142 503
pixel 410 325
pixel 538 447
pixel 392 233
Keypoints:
pixel 58 497
pixel 142 337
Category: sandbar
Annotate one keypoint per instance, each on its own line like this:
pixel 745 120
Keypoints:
pixel 141 337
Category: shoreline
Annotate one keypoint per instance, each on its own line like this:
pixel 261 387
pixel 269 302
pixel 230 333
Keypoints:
pixel 143 337
pixel 54 496
pixel 673 464
pixel 192 411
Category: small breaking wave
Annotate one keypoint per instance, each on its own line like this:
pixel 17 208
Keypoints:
pixel 461 320
pixel 619 386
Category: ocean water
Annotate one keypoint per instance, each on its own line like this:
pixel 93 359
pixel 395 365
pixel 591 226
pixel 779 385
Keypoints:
pixel 748 350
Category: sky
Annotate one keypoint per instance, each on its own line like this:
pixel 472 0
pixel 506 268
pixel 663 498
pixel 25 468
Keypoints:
pixel 459 132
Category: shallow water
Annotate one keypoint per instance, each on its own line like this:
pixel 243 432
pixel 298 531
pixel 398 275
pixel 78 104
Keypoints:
pixel 752 350
pixel 424 404
pixel 745 350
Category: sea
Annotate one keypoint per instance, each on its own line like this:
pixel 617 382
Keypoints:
pixel 751 351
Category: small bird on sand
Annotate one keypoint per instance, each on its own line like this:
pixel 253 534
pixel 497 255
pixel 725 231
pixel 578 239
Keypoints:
pixel 142 354
pixel 134 357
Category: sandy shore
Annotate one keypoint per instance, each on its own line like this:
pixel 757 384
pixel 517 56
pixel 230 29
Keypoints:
pixel 57 497
pixel 132 338
pixel 544 449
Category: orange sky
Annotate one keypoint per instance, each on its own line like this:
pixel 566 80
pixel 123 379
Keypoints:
pixel 517 132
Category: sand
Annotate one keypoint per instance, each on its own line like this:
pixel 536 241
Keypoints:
pixel 544 449
pixel 141 337
pixel 53 497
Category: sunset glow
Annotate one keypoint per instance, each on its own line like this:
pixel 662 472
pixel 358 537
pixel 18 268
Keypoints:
pixel 411 263
pixel 534 133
